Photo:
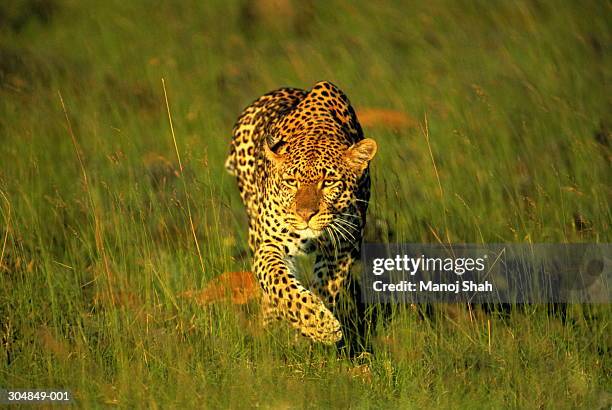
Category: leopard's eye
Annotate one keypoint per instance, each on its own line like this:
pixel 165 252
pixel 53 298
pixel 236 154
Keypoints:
pixel 292 182
pixel 328 183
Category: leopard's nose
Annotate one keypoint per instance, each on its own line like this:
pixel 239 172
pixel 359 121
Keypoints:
pixel 307 213
pixel 307 200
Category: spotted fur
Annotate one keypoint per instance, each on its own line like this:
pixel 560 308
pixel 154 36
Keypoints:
pixel 302 162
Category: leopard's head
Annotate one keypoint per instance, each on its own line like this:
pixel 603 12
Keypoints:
pixel 315 180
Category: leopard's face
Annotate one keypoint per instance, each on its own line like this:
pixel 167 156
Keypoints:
pixel 316 181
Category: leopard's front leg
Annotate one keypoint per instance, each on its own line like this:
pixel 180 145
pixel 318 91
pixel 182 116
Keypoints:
pixel 304 310
pixel 335 284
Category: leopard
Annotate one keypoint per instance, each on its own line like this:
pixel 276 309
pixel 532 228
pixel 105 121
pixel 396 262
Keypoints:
pixel 302 162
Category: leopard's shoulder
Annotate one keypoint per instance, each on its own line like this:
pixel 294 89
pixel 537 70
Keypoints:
pixel 255 121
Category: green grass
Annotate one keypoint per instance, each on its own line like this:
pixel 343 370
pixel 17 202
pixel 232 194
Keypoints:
pixel 92 270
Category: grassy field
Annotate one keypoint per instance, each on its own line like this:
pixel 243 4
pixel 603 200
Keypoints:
pixel 95 234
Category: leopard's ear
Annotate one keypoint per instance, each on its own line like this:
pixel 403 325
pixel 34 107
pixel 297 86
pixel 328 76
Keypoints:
pixel 359 155
pixel 272 156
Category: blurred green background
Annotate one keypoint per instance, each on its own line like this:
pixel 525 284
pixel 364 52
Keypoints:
pixel 96 242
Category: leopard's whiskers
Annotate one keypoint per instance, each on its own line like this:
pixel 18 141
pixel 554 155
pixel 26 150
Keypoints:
pixel 347 223
pixel 345 230
pixel 354 243
pixel 334 241
pixel 348 227
pixel 335 228
pixel 339 235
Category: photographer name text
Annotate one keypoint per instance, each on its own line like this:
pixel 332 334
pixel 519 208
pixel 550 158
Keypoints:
pixel 430 286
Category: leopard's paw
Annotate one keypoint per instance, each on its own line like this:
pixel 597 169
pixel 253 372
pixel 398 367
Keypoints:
pixel 321 326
